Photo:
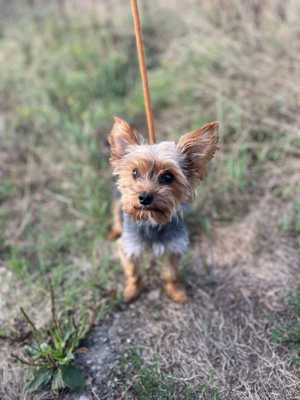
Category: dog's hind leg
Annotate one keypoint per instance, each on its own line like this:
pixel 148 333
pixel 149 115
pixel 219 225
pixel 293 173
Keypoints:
pixel 116 229
pixel 170 274
pixel 133 281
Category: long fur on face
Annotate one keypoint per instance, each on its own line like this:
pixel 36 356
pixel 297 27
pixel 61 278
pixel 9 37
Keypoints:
pixel 140 166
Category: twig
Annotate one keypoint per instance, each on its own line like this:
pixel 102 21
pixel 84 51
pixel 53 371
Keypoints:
pixel 30 322
pixel 26 362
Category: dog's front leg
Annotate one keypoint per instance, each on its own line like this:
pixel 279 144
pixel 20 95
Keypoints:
pixel 171 277
pixel 133 282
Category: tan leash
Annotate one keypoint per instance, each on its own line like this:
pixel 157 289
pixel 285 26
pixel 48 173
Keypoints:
pixel 143 70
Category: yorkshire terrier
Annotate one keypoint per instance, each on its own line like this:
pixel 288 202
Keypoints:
pixel 154 183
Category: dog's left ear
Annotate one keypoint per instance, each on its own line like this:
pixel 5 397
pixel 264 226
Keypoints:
pixel 121 136
pixel 198 147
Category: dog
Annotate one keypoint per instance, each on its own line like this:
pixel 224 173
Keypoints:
pixel 154 184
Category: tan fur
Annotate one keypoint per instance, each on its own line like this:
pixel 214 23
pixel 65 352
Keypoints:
pixel 171 277
pixel 199 147
pixel 116 229
pixel 122 135
pixel 133 281
pixel 186 161
pixel 167 198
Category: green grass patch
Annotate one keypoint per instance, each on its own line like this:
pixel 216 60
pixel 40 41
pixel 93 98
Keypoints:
pixel 66 81
pixel 51 355
pixel 290 222
pixel 149 381
pixel 287 334
pixel 7 190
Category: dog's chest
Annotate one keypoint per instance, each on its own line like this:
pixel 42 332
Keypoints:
pixel 138 236
pixel 158 233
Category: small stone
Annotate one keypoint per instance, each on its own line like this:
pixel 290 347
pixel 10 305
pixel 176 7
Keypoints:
pixel 84 397
pixel 153 295
pixel 89 380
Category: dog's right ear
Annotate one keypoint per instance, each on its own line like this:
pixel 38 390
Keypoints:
pixel 121 136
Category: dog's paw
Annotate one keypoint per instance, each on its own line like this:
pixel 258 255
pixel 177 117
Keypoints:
pixel 176 292
pixel 132 291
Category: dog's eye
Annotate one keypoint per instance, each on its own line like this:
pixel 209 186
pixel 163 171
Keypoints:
pixel 135 173
pixel 166 179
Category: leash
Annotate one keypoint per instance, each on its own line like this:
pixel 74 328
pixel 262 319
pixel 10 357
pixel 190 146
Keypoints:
pixel 143 70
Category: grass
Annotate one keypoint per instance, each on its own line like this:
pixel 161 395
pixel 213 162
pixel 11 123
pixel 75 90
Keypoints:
pixel 149 381
pixel 41 117
pixel 55 194
pixel 290 222
pixel 287 333
pixel 51 354
pixel 68 75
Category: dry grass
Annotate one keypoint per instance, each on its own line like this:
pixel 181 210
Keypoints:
pixel 67 76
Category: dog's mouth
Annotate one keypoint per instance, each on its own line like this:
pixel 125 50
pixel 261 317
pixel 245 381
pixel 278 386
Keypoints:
pixel 149 208
pixel 156 214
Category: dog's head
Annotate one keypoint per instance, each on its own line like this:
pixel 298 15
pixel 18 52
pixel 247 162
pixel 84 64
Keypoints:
pixel 155 179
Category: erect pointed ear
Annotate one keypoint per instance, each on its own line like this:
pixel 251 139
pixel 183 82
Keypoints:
pixel 198 147
pixel 121 136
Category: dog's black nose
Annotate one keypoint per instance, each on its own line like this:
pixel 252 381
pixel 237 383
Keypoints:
pixel 145 198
